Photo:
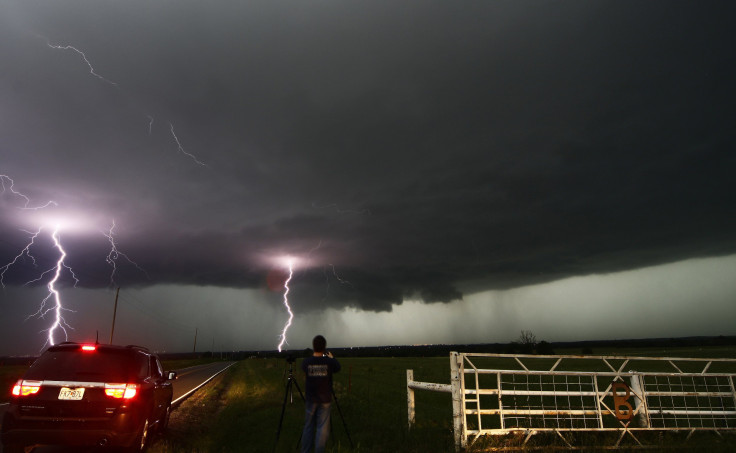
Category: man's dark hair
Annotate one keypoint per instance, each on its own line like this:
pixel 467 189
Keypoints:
pixel 319 343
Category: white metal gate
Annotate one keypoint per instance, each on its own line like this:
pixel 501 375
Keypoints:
pixel 500 394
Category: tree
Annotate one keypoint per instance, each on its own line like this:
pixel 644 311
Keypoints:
pixel 527 337
pixel 528 342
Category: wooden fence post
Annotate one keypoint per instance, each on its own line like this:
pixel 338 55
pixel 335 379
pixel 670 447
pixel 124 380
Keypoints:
pixel 457 409
pixel 410 397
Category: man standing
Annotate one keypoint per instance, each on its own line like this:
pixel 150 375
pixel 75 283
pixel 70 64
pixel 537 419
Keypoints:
pixel 318 369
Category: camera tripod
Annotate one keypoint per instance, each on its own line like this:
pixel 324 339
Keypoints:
pixel 345 425
pixel 288 395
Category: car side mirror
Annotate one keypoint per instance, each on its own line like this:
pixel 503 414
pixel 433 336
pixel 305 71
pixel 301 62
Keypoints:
pixel 171 375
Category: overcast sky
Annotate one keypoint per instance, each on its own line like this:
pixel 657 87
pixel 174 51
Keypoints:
pixel 438 171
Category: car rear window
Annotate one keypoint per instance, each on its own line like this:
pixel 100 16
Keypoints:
pixel 77 365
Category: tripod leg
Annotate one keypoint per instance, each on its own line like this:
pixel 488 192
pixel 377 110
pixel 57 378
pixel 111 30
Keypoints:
pixel 332 429
pixel 287 390
pixel 300 390
pixel 299 442
pixel 345 425
pixel 291 391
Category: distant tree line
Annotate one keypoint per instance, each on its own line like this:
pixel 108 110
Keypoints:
pixel 526 344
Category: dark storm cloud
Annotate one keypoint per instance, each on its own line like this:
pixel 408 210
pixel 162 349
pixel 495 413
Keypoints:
pixel 408 150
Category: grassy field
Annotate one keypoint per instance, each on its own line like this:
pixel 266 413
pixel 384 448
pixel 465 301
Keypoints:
pixel 241 411
pixel 687 352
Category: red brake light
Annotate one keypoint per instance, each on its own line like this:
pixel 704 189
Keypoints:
pixel 89 347
pixel 25 388
pixel 124 391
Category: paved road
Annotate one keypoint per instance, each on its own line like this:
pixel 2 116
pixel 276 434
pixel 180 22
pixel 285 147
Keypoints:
pixel 187 382
pixel 190 379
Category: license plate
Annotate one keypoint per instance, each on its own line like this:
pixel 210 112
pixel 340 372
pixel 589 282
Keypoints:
pixel 71 394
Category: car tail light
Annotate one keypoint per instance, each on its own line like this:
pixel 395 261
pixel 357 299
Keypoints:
pixel 25 388
pixel 89 347
pixel 124 391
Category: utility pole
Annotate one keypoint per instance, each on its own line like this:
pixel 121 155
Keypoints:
pixel 114 314
pixel 195 339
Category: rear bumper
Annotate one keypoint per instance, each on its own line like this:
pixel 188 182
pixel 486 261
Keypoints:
pixel 74 438
pixel 118 431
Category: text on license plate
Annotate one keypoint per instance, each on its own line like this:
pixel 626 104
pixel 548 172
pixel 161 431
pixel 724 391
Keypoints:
pixel 71 394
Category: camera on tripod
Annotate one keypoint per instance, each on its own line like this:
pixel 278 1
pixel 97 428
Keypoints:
pixel 288 394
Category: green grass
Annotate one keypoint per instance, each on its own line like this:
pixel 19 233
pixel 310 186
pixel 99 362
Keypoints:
pixel 371 394
pixel 685 351
pixel 241 412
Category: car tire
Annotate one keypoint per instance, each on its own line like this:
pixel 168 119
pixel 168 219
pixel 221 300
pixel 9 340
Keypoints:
pixel 164 423
pixel 141 440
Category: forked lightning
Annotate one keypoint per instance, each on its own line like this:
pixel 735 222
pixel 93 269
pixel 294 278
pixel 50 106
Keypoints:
pixel 290 263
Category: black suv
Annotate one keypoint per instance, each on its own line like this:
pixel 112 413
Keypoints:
pixel 89 394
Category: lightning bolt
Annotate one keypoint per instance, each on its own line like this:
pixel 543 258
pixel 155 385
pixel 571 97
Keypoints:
pixel 324 270
pixel 114 254
pixel 344 282
pixel 25 252
pixel 57 244
pixel 84 57
pixel 56 308
pixel 286 304
pixel 315 248
pixel 27 201
pixel 150 118
pixel 45 308
pixel 52 303
pixel 327 280
pixel 181 148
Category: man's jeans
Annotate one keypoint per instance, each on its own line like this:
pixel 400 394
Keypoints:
pixel 316 421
